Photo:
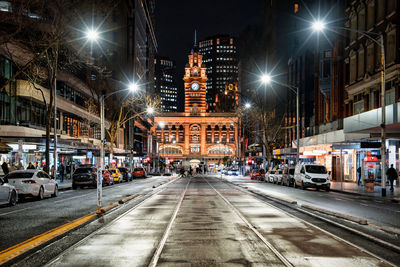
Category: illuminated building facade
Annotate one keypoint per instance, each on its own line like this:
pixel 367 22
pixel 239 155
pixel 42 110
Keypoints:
pixel 197 134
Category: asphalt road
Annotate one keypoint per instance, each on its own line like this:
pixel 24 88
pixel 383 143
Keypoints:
pixel 202 221
pixel 375 210
pixel 32 217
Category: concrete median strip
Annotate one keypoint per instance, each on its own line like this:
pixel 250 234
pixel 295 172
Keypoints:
pixel 126 199
pixel 336 214
pixel 107 208
pixel 19 249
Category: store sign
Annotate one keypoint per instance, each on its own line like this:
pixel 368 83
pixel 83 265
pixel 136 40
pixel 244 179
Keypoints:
pixel 338 152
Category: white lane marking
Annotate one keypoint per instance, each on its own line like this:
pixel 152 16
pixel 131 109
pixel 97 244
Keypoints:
pixel 160 247
pixel 364 204
pixel 14 211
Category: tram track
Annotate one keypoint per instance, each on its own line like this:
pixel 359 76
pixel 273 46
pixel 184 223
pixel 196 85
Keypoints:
pixel 319 217
pixel 252 228
pixel 176 220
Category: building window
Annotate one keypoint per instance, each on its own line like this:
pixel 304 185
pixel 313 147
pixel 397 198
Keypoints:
pixel 370 58
pixel 358 107
pixel 391 47
pixel 380 10
pixel 361 20
pixel 360 63
pixel 353 67
pixel 371 15
pixel 353 22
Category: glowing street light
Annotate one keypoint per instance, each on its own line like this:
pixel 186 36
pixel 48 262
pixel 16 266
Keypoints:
pixel 133 87
pixel 266 79
pixel 150 110
pixel 318 25
pixel 247 105
pixel 92 35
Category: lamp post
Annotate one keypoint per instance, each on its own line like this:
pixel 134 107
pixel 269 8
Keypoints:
pixel 132 87
pixel 247 106
pixel 319 26
pixel 266 79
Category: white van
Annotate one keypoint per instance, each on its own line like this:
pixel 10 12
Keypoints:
pixel 311 175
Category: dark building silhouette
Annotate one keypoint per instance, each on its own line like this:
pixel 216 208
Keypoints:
pixel 165 83
pixel 220 57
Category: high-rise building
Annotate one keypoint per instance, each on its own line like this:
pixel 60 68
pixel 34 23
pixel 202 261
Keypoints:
pixel 165 83
pixel 220 59
pixel 126 56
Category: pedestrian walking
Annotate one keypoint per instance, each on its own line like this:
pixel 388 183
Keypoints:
pixel 30 166
pixel 52 171
pixel 359 175
pixel 392 175
pixel 62 172
pixel 4 166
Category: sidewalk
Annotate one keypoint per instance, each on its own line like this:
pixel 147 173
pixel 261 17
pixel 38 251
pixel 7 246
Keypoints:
pixel 65 185
pixel 353 188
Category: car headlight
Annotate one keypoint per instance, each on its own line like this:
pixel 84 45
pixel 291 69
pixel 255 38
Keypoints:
pixel 308 177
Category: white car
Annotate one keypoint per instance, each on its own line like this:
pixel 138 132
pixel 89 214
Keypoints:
pixel 278 177
pixel 34 183
pixel 269 177
pixel 8 193
pixel 311 175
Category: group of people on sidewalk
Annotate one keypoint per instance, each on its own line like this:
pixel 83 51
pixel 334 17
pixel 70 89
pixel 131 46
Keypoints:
pixel 391 174
pixel 62 170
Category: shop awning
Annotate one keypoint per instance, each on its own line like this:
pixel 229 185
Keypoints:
pixel 4 148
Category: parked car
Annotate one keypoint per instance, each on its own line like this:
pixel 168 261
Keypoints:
pixel 288 176
pixel 278 176
pixel 139 172
pixel 224 171
pixel 311 175
pixel 84 176
pixel 233 172
pixel 8 193
pixel 116 174
pixel 107 177
pixel 126 175
pixel 34 183
pixel 255 174
pixel 269 176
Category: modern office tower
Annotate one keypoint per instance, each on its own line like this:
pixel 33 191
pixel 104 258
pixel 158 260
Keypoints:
pixel 220 59
pixel 165 83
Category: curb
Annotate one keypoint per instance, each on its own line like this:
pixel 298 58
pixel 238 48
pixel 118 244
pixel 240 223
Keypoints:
pixel 336 214
pixel 126 199
pixel 107 208
pixel 368 196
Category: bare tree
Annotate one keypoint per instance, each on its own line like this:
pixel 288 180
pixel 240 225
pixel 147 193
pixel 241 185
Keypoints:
pixel 130 109
pixel 264 125
pixel 36 36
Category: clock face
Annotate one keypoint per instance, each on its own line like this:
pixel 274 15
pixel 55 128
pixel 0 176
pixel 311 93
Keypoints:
pixel 195 86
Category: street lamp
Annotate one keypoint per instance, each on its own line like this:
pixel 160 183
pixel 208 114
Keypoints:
pixel 266 79
pixel 132 88
pixel 320 26
pixel 92 35
pixel 150 110
pixel 246 107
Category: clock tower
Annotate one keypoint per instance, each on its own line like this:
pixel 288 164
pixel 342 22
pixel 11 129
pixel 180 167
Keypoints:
pixel 195 84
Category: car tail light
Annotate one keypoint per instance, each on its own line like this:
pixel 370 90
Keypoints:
pixel 29 182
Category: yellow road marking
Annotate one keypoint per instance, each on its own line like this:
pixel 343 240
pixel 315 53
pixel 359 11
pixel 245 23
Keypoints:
pixel 16 250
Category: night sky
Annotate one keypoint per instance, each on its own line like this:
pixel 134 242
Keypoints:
pixel 176 21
